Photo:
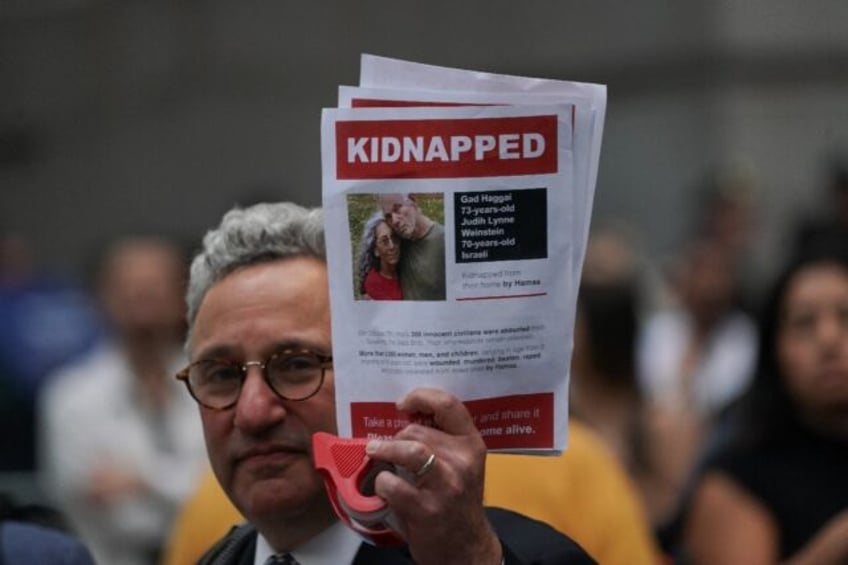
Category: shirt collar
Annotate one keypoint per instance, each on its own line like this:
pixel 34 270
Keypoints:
pixel 337 544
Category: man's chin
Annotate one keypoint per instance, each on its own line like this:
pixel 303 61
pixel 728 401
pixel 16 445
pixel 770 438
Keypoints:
pixel 405 232
pixel 274 497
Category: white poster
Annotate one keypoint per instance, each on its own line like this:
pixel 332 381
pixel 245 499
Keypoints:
pixel 456 227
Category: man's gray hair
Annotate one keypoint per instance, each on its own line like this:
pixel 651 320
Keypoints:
pixel 259 234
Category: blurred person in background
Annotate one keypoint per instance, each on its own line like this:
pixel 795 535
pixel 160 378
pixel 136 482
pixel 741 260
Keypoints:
pixel 121 444
pixel 694 358
pixel 698 353
pixel 774 488
pixel 726 215
pixel 605 391
pixel 48 320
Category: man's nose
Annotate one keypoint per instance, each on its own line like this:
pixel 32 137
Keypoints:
pixel 258 408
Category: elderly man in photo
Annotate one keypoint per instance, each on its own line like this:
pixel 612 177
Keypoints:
pixel 261 370
pixel 422 270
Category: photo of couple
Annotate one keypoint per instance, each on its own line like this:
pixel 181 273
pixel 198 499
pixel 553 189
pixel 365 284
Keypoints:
pixel 401 251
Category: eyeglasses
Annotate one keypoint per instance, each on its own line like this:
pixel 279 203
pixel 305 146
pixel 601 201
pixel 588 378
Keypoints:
pixel 292 374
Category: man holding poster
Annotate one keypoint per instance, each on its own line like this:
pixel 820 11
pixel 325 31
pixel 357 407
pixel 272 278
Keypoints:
pixel 261 369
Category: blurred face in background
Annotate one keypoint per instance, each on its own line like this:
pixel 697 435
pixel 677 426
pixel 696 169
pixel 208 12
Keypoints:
pixel 707 283
pixel 812 340
pixel 141 287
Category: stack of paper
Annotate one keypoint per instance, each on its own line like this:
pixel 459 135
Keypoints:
pixel 457 208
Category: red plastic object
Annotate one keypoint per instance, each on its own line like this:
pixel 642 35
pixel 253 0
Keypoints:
pixel 349 476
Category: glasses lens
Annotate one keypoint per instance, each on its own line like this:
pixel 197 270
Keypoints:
pixel 215 383
pixel 295 376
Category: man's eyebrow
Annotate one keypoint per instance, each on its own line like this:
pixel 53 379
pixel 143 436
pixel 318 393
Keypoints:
pixel 301 344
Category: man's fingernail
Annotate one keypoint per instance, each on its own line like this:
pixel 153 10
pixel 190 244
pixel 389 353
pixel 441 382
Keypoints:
pixel 372 446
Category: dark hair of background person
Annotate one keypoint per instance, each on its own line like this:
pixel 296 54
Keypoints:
pixel 611 320
pixel 609 315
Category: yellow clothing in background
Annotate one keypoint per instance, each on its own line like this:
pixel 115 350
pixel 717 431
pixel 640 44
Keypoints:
pixel 205 517
pixel 583 493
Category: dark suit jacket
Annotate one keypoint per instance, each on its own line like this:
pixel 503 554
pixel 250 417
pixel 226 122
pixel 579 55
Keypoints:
pixel 525 542
pixel 25 544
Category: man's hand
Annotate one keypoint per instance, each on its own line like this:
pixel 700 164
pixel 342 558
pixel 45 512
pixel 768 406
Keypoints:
pixel 440 511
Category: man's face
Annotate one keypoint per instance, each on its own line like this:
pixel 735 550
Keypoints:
pixel 260 448
pixel 401 214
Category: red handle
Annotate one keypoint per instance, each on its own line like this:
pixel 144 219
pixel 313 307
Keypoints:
pixel 347 472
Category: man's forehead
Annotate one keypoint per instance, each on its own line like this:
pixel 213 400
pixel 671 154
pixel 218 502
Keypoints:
pixel 389 201
pixel 272 300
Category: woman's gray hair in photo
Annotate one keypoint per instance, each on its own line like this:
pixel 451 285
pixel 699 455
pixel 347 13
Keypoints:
pixel 367 260
pixel 248 236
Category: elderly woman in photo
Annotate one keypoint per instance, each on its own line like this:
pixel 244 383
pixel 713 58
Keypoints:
pixel 378 261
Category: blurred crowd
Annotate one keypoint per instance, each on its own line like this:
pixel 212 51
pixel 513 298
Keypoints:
pixel 111 438
pixel 698 378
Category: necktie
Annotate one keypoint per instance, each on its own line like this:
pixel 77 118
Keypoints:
pixel 282 559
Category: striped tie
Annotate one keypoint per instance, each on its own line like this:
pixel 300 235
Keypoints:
pixel 282 559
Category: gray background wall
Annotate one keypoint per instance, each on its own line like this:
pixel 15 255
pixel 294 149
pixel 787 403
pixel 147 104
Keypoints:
pixel 158 115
